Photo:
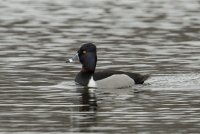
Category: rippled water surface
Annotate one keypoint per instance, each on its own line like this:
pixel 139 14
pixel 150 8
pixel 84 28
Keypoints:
pixel 37 89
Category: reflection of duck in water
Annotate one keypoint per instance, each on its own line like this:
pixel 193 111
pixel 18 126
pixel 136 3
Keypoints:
pixel 88 100
pixel 106 79
pixel 86 117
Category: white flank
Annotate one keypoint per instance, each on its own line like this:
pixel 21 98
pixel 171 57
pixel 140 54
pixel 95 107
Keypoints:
pixel 116 81
pixel 92 83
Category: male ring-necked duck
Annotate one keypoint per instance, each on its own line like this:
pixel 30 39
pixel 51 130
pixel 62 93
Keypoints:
pixel 105 79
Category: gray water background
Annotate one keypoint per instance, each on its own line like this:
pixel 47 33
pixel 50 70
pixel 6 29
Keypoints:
pixel 158 37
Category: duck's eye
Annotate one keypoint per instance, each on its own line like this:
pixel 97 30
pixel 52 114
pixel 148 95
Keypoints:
pixel 84 52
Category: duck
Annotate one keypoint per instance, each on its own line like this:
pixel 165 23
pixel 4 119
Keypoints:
pixel 89 77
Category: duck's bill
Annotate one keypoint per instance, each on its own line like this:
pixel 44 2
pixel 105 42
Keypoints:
pixel 75 58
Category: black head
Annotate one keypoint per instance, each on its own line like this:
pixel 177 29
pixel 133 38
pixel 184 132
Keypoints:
pixel 88 57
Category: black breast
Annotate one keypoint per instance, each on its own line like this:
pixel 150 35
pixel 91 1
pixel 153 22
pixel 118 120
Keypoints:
pixel 83 78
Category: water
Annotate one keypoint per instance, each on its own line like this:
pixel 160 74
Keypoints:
pixel 37 89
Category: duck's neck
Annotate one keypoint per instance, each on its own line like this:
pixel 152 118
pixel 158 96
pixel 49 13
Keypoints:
pixel 87 70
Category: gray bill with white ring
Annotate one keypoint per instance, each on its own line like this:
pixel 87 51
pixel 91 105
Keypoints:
pixel 75 58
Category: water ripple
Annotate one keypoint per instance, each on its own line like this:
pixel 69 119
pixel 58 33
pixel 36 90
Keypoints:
pixel 37 89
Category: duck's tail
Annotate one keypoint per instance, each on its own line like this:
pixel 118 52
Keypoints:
pixel 143 78
pixel 139 78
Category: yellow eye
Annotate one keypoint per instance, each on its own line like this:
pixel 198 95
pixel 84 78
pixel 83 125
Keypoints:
pixel 84 52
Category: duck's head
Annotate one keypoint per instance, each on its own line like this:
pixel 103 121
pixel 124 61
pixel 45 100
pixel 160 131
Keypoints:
pixel 87 56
